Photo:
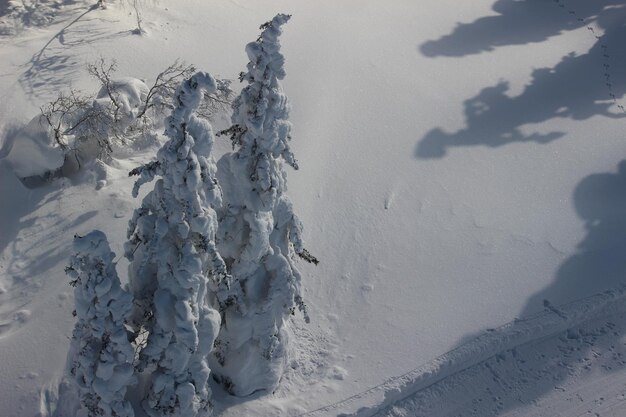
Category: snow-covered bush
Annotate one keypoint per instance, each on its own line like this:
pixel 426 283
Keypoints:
pixel 86 127
pixel 175 272
pixel 30 151
pixel 259 233
pixel 100 361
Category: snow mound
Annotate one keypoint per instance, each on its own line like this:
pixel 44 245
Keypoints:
pixel 31 150
pixel 129 92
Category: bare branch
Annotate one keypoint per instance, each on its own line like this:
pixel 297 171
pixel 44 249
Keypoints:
pixel 135 6
pixel 77 119
pixel 60 114
pixel 165 85
pixel 217 102
pixel 102 72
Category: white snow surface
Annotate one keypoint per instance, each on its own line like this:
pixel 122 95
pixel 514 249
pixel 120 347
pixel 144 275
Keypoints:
pixel 461 182
pixel 30 149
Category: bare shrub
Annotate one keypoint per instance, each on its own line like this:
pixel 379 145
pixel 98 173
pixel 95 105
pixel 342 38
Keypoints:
pixel 88 126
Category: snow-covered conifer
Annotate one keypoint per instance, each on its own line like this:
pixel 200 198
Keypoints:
pixel 175 273
pixel 100 361
pixel 259 233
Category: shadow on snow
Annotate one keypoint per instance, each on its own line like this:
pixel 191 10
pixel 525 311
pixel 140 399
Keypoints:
pixel 510 369
pixel 50 69
pixel 521 376
pixel 576 88
pixel 34 227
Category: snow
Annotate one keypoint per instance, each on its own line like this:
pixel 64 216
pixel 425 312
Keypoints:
pixel 99 362
pixel 457 168
pixel 259 235
pixel 30 149
pixel 173 260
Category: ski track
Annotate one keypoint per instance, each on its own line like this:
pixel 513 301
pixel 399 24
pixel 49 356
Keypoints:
pixel 496 352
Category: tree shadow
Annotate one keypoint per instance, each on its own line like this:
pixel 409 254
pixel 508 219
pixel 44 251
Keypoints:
pixel 50 68
pixel 15 206
pixel 556 342
pixel 600 262
pixel 578 87
pixel 4 7
pixel 598 267
pixel 30 228
pixel 15 16
pixel 516 23
pixel 546 376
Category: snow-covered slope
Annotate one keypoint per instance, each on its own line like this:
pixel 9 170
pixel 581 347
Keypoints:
pixel 453 177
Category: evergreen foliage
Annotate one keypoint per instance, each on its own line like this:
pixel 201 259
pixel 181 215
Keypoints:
pixel 100 361
pixel 259 233
pixel 175 273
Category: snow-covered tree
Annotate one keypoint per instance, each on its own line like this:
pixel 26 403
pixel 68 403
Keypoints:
pixel 176 275
pixel 259 233
pixel 100 361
